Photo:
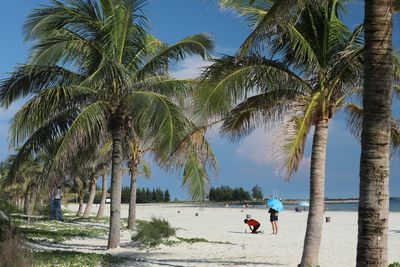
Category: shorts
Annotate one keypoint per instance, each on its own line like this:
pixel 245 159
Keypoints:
pixel 273 218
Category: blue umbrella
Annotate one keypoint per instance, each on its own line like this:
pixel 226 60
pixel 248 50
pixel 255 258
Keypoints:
pixel 275 204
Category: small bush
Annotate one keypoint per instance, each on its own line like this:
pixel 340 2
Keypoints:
pixel 151 234
pixel 394 264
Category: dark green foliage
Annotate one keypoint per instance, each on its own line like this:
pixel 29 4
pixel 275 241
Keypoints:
pixel 394 264
pixel 167 196
pixel 146 195
pixel 225 193
pixel 75 259
pixel 151 234
pixel 257 193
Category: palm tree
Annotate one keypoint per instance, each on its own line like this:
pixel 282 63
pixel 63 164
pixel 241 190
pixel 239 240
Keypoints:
pixel 100 212
pixel 94 73
pixel 314 63
pixel 373 207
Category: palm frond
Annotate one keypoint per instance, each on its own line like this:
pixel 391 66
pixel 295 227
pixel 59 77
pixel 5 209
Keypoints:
pixel 292 140
pixel 195 178
pixel 43 107
pixel 164 120
pixel 29 79
pixel 264 109
pixel 195 45
pixel 233 81
pixel 87 129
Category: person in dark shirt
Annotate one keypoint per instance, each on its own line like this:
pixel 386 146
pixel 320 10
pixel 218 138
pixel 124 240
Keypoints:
pixel 253 225
pixel 273 218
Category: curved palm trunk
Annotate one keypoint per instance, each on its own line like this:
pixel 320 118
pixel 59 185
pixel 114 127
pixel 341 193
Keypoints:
pixel 312 239
pixel 132 201
pixel 100 212
pixel 373 210
pixel 91 198
pixel 80 208
pixel 116 184
pixel 26 202
pixel 32 198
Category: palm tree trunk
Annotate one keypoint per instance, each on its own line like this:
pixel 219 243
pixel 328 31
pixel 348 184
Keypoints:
pixel 91 198
pixel 116 184
pixel 32 197
pixel 26 202
pixel 100 212
pixel 80 208
pixel 132 201
pixel 312 240
pixel 373 210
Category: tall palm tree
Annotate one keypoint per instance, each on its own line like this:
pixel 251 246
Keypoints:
pixel 373 207
pixel 313 64
pixel 96 72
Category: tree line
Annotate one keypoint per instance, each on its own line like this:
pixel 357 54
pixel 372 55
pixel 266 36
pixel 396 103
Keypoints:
pixel 228 194
pixel 146 195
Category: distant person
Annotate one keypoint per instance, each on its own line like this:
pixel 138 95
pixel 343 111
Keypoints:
pixel 253 225
pixel 273 218
pixel 56 204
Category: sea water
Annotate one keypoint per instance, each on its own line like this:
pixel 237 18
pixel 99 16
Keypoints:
pixel 394 206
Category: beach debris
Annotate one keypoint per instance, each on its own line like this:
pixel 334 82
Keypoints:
pixel 327 219
pixel 248 216
pixel 179 211
pixel 241 210
pixel 196 214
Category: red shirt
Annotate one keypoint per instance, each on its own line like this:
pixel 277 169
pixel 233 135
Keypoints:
pixel 252 222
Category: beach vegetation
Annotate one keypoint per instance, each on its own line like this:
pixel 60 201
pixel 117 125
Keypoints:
pixel 394 264
pixel 153 232
pixel 96 76
pixel 75 259
pixel 53 231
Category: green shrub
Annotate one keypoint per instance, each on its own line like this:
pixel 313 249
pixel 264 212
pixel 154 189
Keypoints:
pixel 151 234
pixel 394 264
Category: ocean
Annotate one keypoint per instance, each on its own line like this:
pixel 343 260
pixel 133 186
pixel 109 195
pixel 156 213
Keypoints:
pixel 394 206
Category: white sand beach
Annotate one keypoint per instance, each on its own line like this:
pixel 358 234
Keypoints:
pixel 226 225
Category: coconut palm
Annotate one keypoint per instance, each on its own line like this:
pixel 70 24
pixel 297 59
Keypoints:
pixel 313 64
pixel 94 73
pixel 373 207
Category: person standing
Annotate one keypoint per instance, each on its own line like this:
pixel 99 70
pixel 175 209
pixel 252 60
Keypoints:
pixel 273 218
pixel 57 196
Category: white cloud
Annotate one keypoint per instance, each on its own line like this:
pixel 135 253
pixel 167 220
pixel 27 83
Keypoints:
pixel 260 147
pixel 191 67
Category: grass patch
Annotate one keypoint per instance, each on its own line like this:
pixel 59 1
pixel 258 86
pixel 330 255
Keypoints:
pixel 192 241
pixel 201 240
pixel 154 232
pixel 75 259
pixel 56 231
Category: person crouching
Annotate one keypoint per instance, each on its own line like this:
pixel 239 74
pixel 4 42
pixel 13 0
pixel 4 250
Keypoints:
pixel 253 225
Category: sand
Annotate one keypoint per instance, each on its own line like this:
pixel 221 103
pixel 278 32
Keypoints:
pixel 221 224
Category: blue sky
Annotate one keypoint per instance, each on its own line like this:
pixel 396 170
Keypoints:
pixel 246 163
